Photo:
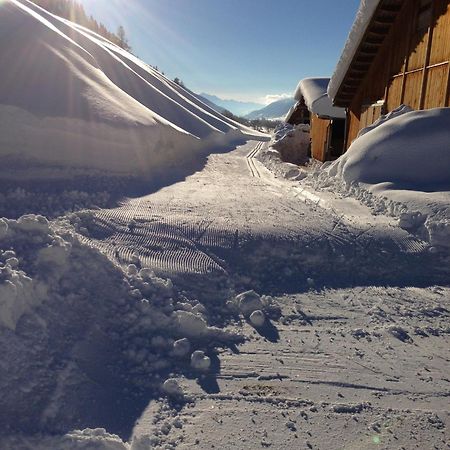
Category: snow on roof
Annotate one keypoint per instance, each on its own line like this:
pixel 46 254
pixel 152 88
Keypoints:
pixel 314 91
pixel 363 18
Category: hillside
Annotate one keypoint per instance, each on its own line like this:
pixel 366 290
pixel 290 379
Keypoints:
pixel 276 110
pixel 69 99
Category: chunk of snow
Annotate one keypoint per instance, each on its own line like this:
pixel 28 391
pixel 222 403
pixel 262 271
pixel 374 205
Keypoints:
pixel 181 347
pixel 92 439
pixel 190 324
pixel 257 318
pixel 248 302
pixel 314 92
pixel 200 361
pixel 172 388
pixel 292 142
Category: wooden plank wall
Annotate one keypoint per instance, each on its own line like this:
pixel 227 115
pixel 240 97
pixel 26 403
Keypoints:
pixel 319 136
pixel 412 66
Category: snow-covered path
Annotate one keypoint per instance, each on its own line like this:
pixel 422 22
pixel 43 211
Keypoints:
pixel 234 218
pixel 360 368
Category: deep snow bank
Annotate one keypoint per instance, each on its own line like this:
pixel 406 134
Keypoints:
pixel 293 142
pixel 69 98
pixel 82 341
pixel 400 165
pixel 410 150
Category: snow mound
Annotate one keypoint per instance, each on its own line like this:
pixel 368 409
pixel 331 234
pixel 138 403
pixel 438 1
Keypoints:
pixel 410 150
pixel 400 166
pixel 74 327
pixel 70 98
pixel 292 142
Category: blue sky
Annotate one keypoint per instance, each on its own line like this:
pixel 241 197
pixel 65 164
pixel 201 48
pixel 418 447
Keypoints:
pixel 240 49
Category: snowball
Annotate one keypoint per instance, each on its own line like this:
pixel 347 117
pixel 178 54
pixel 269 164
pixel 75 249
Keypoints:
pixel 200 361
pixel 248 302
pixel 257 318
pixel 181 347
pixel 132 269
pixel 189 324
pixel 172 388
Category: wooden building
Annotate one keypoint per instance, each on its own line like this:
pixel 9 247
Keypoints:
pixel 398 52
pixel 327 122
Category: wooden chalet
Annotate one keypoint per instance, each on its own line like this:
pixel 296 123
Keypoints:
pixel 327 122
pixel 398 52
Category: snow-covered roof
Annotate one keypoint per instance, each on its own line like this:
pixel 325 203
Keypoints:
pixel 364 16
pixel 314 91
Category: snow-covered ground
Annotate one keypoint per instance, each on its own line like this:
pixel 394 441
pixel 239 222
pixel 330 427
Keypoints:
pixel 219 303
pixel 351 326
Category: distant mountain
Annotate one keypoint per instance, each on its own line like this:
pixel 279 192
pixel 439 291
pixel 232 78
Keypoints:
pixel 211 104
pixel 275 110
pixel 236 107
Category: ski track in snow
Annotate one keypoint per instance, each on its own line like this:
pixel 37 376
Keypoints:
pixel 232 208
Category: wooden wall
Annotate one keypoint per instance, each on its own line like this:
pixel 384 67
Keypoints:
pixel 411 67
pixel 319 137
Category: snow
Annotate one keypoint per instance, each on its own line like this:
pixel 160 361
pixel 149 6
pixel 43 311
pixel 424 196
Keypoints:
pixel 70 99
pixel 292 142
pixel 248 302
pixel 257 318
pixel 108 334
pixel 232 307
pixel 400 166
pixel 172 388
pixel 199 361
pixel 363 18
pixel 314 91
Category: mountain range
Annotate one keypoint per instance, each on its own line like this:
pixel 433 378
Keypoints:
pixel 275 110
pixel 235 106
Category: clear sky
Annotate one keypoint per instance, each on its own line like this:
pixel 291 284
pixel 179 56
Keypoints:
pixel 240 49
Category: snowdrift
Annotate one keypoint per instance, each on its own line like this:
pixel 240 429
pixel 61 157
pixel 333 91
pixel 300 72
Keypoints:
pixel 410 150
pixel 83 341
pixel 400 165
pixel 70 98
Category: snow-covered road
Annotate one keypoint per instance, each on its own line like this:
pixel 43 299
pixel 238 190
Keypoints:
pixel 234 218
pixel 360 368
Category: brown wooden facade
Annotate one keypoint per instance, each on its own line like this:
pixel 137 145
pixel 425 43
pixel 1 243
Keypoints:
pixel 403 59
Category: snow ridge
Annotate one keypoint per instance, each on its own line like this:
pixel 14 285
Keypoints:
pixel 363 17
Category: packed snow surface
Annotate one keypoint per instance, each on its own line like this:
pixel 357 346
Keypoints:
pixel 314 91
pixel 70 98
pixel 364 15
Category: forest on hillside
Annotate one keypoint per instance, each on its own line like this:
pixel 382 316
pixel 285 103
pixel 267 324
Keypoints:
pixel 74 11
